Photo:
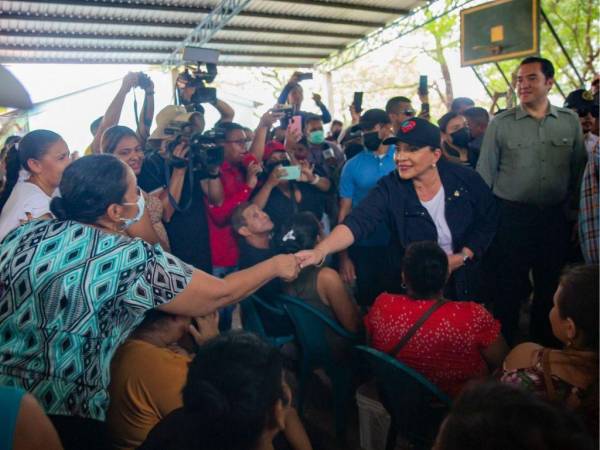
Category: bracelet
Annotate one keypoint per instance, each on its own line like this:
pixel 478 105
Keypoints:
pixel 315 180
pixel 320 263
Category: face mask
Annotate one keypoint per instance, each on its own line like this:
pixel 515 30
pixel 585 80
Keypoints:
pixel 461 138
pixel 141 204
pixel 316 137
pixel 372 141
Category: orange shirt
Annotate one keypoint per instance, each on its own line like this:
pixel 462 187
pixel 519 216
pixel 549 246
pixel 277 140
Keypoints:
pixel 145 386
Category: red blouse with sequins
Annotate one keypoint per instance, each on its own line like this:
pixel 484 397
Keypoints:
pixel 446 349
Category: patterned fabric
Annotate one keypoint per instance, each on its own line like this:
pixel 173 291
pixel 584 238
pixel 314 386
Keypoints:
pixel 532 379
pixel 446 349
pixel 69 295
pixel 589 209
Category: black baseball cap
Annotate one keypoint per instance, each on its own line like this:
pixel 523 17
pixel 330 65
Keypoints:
pixel 579 98
pixel 372 117
pixel 418 132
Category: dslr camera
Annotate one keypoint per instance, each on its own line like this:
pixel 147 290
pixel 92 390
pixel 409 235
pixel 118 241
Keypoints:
pixel 205 152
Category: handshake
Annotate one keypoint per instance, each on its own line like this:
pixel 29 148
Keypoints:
pixel 288 266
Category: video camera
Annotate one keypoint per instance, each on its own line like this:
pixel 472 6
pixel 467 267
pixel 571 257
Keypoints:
pixel 194 77
pixel 204 154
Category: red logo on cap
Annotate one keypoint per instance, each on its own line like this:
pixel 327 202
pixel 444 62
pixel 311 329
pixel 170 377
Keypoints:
pixel 408 126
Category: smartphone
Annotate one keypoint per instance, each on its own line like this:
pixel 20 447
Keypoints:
pixel 291 173
pixel 328 153
pixel 357 102
pixel 296 125
pixel 305 76
pixel 423 89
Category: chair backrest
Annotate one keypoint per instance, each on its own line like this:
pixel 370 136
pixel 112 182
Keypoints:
pixel 312 327
pixel 415 405
pixel 252 321
pixel 250 318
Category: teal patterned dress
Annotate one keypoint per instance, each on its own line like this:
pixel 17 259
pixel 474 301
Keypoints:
pixel 69 295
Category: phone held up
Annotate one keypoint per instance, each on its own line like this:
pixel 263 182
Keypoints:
pixel 357 102
pixel 423 89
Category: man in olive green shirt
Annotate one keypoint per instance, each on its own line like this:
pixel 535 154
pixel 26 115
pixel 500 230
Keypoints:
pixel 532 157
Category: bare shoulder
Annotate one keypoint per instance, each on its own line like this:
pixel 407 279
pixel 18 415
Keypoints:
pixel 327 274
pixel 522 356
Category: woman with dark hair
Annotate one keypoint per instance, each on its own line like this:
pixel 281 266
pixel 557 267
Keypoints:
pixel 426 199
pixel 124 143
pixel 72 289
pixel 568 376
pixel 43 155
pixel 321 287
pixel 455 139
pixel 493 416
pixel 456 342
pixel 236 398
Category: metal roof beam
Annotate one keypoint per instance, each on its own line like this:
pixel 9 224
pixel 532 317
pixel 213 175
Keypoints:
pixel 161 40
pixel 324 34
pixel 347 6
pixel 207 28
pixel 101 4
pixel 33 60
pixel 160 54
pixel 389 33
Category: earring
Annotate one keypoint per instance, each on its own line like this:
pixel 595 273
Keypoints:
pixel 433 165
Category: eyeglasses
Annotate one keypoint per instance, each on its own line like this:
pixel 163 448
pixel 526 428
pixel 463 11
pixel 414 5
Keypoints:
pixel 240 141
pixel 582 112
pixel 407 112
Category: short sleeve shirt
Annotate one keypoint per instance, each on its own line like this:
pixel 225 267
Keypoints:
pixel 24 198
pixel 69 295
pixel 360 174
pixel 446 348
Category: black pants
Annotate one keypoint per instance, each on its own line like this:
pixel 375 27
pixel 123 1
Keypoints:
pixel 532 240
pixel 77 433
pixel 375 273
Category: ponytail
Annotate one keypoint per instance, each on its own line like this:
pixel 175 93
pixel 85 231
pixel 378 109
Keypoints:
pixel 34 145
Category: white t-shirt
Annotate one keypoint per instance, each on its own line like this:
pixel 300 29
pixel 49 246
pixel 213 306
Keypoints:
pixel 436 207
pixel 24 198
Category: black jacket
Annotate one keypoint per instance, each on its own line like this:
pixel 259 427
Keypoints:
pixel 471 213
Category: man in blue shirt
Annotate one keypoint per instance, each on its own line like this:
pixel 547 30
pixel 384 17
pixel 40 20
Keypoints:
pixel 365 262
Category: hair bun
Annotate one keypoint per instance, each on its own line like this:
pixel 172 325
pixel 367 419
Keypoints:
pixel 58 208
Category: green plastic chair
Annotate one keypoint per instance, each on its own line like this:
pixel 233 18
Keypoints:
pixel 415 405
pixel 251 320
pixel 311 327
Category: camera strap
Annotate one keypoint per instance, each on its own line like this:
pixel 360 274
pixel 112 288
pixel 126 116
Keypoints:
pixel 172 200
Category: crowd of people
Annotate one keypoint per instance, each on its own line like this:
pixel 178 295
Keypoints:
pixel 121 270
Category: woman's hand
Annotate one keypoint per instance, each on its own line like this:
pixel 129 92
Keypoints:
pixel 313 257
pixel 180 151
pixel 287 267
pixel 204 328
pixel 275 177
pixel 306 171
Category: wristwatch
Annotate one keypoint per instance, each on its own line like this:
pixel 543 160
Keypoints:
pixel 466 257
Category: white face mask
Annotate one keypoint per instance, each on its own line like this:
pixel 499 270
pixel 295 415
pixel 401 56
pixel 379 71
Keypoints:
pixel 141 204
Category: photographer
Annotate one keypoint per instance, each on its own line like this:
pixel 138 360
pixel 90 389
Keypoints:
pixel 293 94
pixel 113 113
pixel 166 173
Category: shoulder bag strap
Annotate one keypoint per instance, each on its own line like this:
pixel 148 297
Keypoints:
pixel 550 390
pixel 418 324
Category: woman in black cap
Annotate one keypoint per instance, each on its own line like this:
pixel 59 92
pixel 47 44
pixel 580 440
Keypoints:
pixel 425 199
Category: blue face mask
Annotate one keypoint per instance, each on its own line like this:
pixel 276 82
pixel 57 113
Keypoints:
pixel 141 204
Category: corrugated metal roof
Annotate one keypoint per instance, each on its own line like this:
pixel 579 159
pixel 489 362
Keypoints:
pixel 265 33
